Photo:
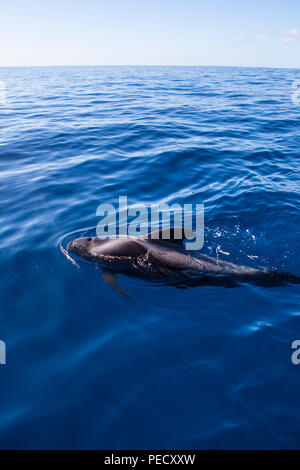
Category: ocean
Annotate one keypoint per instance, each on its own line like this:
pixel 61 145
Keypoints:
pixel 198 368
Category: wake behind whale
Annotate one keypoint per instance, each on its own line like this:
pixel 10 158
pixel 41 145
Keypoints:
pixel 154 258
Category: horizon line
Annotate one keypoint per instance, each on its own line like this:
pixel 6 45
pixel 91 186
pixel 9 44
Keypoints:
pixel 153 65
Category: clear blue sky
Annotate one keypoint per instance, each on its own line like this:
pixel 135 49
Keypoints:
pixel 155 32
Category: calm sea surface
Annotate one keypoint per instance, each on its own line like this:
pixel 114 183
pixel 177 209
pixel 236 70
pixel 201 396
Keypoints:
pixel 205 367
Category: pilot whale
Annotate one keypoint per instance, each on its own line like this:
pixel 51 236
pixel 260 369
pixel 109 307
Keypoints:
pixel 155 258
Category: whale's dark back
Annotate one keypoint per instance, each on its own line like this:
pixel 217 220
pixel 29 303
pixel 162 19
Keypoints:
pixel 143 257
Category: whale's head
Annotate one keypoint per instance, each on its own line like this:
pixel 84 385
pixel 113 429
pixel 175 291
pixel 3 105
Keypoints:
pixel 95 248
pixel 85 246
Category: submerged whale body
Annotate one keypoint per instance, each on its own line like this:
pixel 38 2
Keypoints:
pixel 152 257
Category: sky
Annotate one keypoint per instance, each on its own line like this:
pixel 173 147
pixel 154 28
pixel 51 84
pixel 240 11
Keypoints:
pixel 264 33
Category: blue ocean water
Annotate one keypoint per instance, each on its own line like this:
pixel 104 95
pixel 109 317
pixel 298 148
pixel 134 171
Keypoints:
pixel 206 367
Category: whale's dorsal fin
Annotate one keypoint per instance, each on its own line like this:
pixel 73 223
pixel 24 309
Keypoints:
pixel 170 235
